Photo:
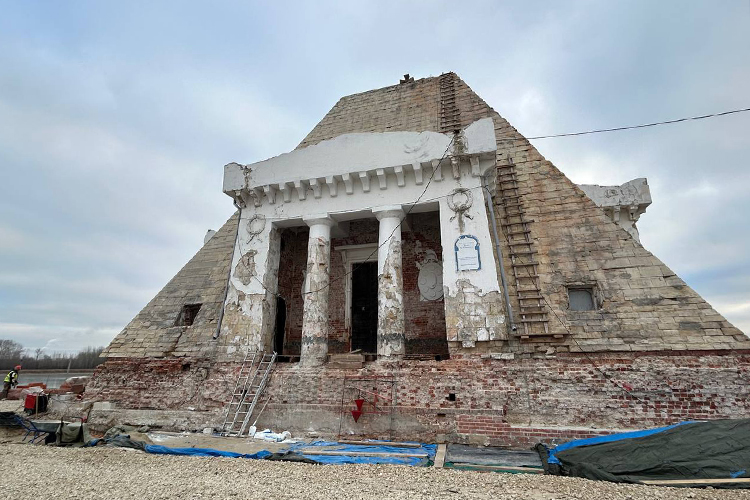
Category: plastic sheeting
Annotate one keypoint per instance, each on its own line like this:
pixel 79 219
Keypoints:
pixel 383 447
pixel 718 449
pixel 292 453
pixel 204 452
pixel 605 439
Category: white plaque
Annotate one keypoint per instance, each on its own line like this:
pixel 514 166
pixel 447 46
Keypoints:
pixel 467 253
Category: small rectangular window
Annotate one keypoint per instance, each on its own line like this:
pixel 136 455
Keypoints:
pixel 188 314
pixel 581 299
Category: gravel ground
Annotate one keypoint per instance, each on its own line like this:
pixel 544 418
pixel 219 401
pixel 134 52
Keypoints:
pixel 11 405
pixel 104 473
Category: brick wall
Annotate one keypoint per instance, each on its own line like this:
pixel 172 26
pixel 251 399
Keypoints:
pixel 497 401
pixel 292 265
pixel 425 320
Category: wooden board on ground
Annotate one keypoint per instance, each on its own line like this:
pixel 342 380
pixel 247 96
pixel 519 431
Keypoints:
pixel 380 443
pixel 672 482
pixel 486 455
pixel 341 453
pixel 440 455
pixel 498 468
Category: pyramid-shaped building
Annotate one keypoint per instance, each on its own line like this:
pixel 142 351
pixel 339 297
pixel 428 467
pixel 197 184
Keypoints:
pixel 416 260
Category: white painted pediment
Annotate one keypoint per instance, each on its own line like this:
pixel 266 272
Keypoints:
pixel 366 157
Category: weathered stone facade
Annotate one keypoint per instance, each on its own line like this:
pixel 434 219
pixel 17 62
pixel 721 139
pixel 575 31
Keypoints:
pixel 651 352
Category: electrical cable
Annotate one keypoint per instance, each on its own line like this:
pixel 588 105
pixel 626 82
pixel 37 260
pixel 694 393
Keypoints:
pixel 585 353
pixel 630 127
pixel 427 200
pixel 388 239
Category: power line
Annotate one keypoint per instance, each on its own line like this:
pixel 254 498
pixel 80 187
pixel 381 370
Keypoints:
pixel 572 337
pixel 398 226
pixel 426 200
pixel 631 127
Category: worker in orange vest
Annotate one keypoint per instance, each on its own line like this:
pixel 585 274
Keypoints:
pixel 11 380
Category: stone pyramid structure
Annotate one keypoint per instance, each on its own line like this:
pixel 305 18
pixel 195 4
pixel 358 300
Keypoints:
pixel 647 350
pixel 642 305
pixel 154 331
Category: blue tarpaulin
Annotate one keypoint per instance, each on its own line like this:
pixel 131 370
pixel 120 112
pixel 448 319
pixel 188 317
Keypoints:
pixel 381 447
pixel 293 452
pixel 203 452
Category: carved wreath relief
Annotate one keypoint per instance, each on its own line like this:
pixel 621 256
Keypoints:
pixel 460 201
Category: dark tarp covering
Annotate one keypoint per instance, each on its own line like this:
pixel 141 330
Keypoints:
pixel 718 449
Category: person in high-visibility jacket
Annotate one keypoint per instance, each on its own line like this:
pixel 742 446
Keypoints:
pixel 11 380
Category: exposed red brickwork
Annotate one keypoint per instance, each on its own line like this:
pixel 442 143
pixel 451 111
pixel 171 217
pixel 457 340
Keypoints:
pixel 425 320
pixel 292 264
pixel 501 402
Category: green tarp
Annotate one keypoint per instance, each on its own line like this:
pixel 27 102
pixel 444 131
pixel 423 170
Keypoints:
pixel 718 449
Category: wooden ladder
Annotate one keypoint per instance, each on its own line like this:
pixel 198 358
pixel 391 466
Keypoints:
pixel 515 224
pixel 449 114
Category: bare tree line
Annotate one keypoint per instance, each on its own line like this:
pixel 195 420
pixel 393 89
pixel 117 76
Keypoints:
pixel 13 353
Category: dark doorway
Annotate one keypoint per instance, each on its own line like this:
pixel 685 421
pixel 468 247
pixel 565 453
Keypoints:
pixel 365 307
pixel 278 334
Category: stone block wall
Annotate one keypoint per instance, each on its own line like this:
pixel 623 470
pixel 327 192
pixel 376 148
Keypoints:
pixel 406 107
pixel 644 306
pixel 153 332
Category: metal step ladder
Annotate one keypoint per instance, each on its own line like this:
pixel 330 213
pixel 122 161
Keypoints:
pixel 251 382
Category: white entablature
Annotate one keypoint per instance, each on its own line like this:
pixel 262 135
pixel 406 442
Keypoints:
pixel 384 176
pixel 362 162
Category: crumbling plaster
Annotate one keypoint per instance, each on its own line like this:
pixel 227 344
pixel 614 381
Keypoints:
pixel 357 153
pixel 474 309
pixel 438 172
pixel 391 327
pixel 315 313
pixel 250 307
pixel 623 204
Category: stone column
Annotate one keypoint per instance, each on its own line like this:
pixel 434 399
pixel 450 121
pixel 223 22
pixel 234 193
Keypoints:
pixel 391 337
pixel 314 349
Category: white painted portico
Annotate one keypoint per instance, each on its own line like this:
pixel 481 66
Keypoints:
pixel 356 176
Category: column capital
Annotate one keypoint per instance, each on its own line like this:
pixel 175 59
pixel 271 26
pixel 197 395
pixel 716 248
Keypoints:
pixel 319 220
pixel 388 211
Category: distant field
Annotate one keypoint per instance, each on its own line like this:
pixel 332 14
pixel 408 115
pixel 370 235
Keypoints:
pixel 53 378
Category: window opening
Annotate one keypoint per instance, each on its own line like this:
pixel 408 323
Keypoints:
pixel 581 299
pixel 188 314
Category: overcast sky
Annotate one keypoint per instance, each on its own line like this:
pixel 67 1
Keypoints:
pixel 116 119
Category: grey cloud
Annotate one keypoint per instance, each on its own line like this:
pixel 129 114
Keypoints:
pixel 116 120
